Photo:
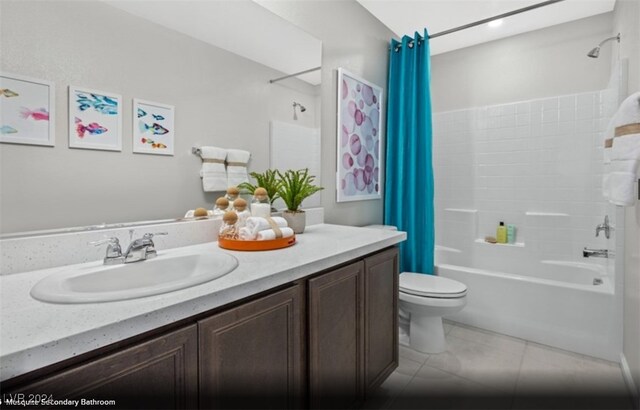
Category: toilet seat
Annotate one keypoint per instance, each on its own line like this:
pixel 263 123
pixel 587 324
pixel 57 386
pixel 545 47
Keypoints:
pixel 431 286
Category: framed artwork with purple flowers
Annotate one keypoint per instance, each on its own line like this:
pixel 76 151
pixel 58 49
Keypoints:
pixel 95 119
pixel 26 110
pixel 359 162
pixel 153 128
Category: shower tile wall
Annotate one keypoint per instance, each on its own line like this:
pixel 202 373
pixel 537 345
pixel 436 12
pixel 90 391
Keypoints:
pixel 536 164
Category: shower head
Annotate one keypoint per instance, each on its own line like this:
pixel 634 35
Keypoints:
pixel 302 109
pixel 595 52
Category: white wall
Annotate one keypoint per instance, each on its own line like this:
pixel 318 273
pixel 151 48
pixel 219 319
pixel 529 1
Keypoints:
pixel 351 38
pixel 627 23
pixel 538 64
pixel 220 98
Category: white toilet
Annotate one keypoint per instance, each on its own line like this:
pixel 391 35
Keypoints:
pixel 424 300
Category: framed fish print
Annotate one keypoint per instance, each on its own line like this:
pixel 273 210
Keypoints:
pixel 95 119
pixel 27 114
pixel 153 128
pixel 359 162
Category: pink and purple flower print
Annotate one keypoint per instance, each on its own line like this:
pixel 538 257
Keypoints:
pixel 358 167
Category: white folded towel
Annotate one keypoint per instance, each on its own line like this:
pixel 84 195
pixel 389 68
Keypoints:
pixel 245 234
pixel 622 154
pixel 270 234
pixel 242 218
pixel 256 224
pixel 237 161
pixel 213 173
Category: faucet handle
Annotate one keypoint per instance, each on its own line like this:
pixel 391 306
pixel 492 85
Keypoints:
pixel 151 235
pixel 114 251
pixel 111 241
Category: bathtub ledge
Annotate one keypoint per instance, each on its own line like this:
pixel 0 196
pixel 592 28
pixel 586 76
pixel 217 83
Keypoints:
pixel 513 245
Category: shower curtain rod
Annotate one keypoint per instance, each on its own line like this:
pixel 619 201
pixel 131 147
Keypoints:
pixel 487 20
pixel 295 74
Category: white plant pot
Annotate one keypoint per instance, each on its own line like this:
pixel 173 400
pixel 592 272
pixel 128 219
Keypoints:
pixel 296 220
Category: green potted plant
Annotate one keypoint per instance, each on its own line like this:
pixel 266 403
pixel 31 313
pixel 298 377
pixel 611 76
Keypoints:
pixel 294 187
pixel 267 180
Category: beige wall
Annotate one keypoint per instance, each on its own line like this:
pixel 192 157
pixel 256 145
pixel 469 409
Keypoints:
pixel 627 23
pixel 351 38
pixel 542 63
pixel 220 98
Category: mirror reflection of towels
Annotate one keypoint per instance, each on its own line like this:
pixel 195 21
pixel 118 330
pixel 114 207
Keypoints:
pixel 213 172
pixel 237 161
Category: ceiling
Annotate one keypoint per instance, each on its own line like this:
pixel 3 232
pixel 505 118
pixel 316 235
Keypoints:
pixel 407 16
pixel 242 27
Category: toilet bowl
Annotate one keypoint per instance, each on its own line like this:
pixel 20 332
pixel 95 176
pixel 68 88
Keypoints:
pixel 424 300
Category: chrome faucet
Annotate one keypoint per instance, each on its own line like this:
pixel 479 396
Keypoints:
pixel 114 251
pixel 138 250
pixel 142 249
pixel 604 227
pixel 595 253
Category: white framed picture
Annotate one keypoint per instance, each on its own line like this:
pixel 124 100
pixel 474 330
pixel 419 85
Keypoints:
pixel 153 128
pixel 95 119
pixel 359 157
pixel 27 114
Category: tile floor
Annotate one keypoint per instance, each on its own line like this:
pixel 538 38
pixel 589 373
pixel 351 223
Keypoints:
pixel 482 369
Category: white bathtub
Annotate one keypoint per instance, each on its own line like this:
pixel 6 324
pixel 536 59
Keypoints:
pixel 550 302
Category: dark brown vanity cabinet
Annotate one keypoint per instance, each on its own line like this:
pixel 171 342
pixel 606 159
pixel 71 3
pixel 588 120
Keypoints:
pixel 381 281
pixel 323 341
pixel 251 356
pixel 353 330
pixel 336 337
pixel 160 373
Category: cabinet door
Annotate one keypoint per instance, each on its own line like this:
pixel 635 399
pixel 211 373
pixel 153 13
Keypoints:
pixel 251 355
pixel 381 316
pixel 336 333
pixel 158 374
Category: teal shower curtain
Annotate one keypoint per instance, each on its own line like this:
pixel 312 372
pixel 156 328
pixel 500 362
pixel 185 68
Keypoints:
pixel 408 202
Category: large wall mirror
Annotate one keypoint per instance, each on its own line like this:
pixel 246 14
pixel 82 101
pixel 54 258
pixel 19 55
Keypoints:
pixel 210 60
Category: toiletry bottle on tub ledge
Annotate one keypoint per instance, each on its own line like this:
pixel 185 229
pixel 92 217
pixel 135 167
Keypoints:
pixel 511 233
pixel 501 234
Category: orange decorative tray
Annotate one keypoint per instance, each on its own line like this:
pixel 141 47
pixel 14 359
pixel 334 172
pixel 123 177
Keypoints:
pixel 236 245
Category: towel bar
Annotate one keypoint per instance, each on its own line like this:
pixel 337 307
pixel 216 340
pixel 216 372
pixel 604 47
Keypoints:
pixel 196 151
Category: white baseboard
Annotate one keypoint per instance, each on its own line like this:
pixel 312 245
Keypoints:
pixel 628 378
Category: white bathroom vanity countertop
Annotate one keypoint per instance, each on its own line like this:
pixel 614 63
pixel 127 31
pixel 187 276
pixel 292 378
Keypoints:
pixel 35 334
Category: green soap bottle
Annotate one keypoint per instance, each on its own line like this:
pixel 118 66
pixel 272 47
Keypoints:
pixel 501 234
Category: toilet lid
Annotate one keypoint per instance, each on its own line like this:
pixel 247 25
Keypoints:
pixel 431 286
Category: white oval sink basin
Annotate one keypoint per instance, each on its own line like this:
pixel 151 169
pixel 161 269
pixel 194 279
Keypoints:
pixel 166 273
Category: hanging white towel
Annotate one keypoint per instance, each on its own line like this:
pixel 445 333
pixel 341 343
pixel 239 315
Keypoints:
pixel 213 173
pixel 237 161
pixel 606 172
pixel 622 153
